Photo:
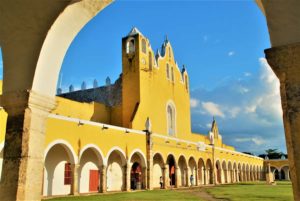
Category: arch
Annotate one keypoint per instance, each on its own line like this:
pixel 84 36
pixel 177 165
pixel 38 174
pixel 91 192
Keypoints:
pixel 55 46
pixel 141 154
pixel 172 166
pixel 183 171
pixel 150 58
pixel 172 74
pixel 240 173
pixel 247 172
pixel 168 71
pixel 158 170
pixel 137 166
pixel 244 172
pixel 90 164
pixel 209 173
pixel 118 149
pixel 201 171
pixel 130 45
pixel 275 172
pixel 67 146
pixel 192 171
pixel 171 118
pixel 115 173
pixel 95 148
pixel 230 170
pixel 285 172
pixel 58 169
pixel 250 173
pixel 218 172
pixel 144 46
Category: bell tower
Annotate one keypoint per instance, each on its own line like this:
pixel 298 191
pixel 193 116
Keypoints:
pixel 133 45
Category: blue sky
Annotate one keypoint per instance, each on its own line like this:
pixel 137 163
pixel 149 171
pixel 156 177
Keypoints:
pixel 220 42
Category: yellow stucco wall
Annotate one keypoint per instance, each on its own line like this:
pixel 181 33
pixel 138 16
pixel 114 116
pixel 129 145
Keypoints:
pixel 3 117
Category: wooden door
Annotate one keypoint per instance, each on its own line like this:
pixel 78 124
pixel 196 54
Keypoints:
pixel 94 180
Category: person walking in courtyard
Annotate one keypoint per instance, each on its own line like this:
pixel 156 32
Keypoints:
pixel 161 182
pixel 192 180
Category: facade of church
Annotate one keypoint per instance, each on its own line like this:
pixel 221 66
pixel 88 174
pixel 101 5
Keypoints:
pixel 135 133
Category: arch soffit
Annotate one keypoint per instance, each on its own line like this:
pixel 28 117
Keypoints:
pixel 66 145
pixel 95 149
pixel 1 146
pixel 52 53
pixel 140 154
pixel 119 151
pixel 173 156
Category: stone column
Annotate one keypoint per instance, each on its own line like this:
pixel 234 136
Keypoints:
pixel 22 172
pixel 103 186
pixel 176 177
pixel 166 176
pixel 196 176
pixel 126 177
pixel 74 185
pixel 204 177
pixel 285 62
pixel 269 175
pixel 186 172
pixel 145 179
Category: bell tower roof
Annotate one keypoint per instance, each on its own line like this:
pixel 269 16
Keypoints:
pixel 134 31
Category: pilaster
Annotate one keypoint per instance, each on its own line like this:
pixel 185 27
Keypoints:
pixel 74 185
pixel 24 144
pixel 285 62
pixel 103 186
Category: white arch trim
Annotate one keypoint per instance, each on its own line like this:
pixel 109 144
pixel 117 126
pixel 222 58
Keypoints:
pixel 1 146
pixel 62 142
pixel 171 103
pixel 91 146
pixel 59 37
pixel 139 152
pixel 115 148
pixel 186 161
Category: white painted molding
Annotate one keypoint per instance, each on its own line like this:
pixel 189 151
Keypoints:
pixel 138 151
pixel 91 123
pixel 64 143
pixel 116 148
pixel 95 148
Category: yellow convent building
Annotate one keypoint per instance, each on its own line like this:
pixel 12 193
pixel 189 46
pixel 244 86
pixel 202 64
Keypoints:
pixel 135 133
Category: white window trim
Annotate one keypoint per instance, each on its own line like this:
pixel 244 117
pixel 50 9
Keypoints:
pixel 172 104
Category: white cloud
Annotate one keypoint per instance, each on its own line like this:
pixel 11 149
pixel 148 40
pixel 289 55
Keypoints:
pixel 231 53
pixel 242 89
pixel 234 111
pixel 208 125
pixel 212 109
pixel 247 74
pixel 194 102
pixel 255 140
pixel 250 110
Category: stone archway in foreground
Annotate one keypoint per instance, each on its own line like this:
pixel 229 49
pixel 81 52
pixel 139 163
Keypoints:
pixel 34 38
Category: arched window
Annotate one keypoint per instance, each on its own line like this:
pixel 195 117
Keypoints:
pixel 186 82
pixel 150 61
pixel 171 119
pixel 168 71
pixel 144 50
pixel 172 74
pixel 130 48
pixel 169 52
